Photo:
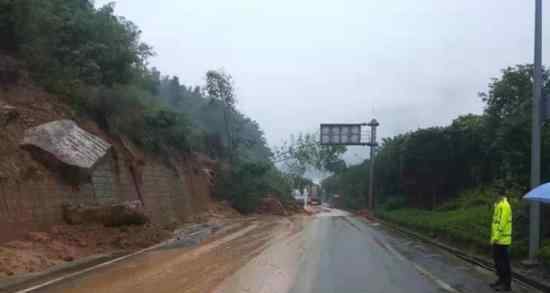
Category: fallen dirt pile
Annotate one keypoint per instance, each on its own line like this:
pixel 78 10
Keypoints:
pixel 273 206
pixel 217 212
pixel 222 209
pixel 294 207
pixel 65 243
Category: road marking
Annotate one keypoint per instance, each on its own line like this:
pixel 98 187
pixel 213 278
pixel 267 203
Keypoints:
pixel 353 225
pixel 429 275
pixel 124 257
pixel 439 282
pixel 81 272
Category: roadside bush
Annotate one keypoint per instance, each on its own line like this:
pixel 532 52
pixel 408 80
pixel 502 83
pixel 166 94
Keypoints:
pixel 464 222
pixel 133 112
pixel 279 185
pixel 449 206
pixel 544 253
pixel 244 184
pixel 467 226
pixel 165 128
pixel 394 203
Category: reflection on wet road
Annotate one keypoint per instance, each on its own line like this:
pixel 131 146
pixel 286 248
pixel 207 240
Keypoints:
pixel 347 254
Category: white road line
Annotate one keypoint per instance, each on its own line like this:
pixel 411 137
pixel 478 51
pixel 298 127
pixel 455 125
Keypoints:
pixel 429 275
pixel 439 282
pixel 71 275
pixel 104 264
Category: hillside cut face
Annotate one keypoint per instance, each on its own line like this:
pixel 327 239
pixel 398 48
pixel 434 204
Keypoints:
pixel 68 143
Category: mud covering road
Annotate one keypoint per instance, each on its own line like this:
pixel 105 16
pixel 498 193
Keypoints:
pixel 178 268
pixel 331 252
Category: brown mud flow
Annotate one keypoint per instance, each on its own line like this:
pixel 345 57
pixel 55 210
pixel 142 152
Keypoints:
pixel 182 269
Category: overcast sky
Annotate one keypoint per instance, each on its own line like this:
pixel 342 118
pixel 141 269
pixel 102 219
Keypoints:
pixel 299 63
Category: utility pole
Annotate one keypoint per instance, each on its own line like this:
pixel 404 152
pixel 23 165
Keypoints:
pixel 534 209
pixel 372 124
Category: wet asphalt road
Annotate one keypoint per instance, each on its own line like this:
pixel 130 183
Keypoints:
pixel 328 253
pixel 348 254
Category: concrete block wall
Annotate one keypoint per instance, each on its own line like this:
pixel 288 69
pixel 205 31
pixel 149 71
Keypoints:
pixel 165 196
pixel 124 185
pixel 103 180
pixel 198 184
pixel 112 180
pixel 37 205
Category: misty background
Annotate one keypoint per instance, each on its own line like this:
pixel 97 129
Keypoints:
pixel 297 64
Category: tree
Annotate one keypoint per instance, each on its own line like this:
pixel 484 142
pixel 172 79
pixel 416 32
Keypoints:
pixel 219 86
pixel 469 155
pixel 389 165
pixel 426 157
pixel 305 153
pixel 174 91
pixel 351 184
pixel 429 166
pixel 69 42
pixel 508 117
pixel 155 81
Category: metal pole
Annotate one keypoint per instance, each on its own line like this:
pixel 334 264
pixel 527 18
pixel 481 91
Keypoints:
pixel 371 178
pixel 306 193
pixel 373 124
pixel 534 209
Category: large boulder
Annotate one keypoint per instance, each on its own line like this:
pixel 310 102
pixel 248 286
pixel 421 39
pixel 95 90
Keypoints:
pixel 108 214
pixel 128 213
pixel 7 114
pixel 67 143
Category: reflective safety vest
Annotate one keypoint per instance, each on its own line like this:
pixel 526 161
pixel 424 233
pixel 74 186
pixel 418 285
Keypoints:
pixel 501 228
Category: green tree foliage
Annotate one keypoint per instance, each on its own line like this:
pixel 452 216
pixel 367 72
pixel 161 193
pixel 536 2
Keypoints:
pixel 429 166
pixel 219 86
pixel 97 59
pixel 246 183
pixel 207 115
pixel 299 182
pixel 352 184
pixel 69 42
pixel 304 153
pixel 426 154
pixel 389 161
pixel 303 156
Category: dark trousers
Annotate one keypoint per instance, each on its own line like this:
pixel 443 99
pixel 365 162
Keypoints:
pixel 502 263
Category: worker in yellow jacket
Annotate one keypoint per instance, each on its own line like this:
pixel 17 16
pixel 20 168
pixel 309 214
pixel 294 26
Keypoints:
pixel 501 239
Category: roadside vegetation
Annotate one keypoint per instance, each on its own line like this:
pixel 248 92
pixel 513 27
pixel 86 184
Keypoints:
pixel 440 180
pixel 98 63
pixel 460 222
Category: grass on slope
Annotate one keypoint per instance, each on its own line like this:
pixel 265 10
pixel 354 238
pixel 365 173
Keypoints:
pixel 463 223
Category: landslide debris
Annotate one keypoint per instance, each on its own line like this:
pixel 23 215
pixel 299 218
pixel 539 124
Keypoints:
pixel 64 243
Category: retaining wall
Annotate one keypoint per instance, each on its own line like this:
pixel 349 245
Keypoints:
pixel 168 195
